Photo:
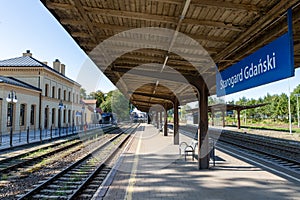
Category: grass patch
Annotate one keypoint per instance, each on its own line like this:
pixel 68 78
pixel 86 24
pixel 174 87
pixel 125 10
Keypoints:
pixel 53 159
pixel 4 177
pixel 270 128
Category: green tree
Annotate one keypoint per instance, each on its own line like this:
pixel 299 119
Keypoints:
pixel 82 93
pixel 99 96
pixel 294 109
pixel 120 105
pixel 282 107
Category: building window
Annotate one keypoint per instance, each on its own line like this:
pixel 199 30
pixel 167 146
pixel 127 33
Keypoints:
pixel 65 95
pixel 59 93
pixel 22 114
pixel 77 98
pixel 46 90
pixel 46 115
pixel 69 96
pixel 69 116
pixel 32 114
pixel 65 116
pixel 53 116
pixel 73 98
pixel 9 110
pixel 53 91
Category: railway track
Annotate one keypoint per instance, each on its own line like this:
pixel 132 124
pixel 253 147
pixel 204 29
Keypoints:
pixel 29 158
pixel 277 152
pixel 81 179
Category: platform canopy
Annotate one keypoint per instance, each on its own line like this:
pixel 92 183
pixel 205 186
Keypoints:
pixel 177 42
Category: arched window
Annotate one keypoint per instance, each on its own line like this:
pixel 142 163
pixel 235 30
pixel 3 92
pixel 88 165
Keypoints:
pixel 65 116
pixel 53 117
pixel 69 96
pixel 53 91
pixel 65 95
pixel 69 117
pixel 59 93
pixel 46 117
pixel 22 114
pixel 46 90
pixel 32 115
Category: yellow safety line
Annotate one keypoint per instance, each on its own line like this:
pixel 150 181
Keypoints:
pixel 132 179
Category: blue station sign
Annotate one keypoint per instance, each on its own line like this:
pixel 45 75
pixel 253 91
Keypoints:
pixel 271 63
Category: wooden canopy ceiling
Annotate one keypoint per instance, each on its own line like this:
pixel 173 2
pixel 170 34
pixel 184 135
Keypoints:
pixel 228 30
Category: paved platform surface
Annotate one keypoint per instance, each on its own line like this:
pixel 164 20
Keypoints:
pixel 151 168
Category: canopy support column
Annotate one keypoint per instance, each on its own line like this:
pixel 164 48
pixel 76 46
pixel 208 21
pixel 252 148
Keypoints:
pixel 166 122
pixel 156 119
pixel 203 150
pixel 238 118
pixel 176 132
pixel 160 120
pixel 223 118
pixel 212 117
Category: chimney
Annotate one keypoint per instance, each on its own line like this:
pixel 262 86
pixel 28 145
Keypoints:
pixel 27 53
pixel 45 62
pixel 63 69
pixel 56 65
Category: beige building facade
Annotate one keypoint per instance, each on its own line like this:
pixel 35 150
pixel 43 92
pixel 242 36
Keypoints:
pixel 53 98
pixel 91 116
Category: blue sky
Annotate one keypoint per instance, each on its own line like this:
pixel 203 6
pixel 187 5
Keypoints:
pixel 28 25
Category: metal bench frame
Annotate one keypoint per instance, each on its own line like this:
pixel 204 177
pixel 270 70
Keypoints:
pixel 187 149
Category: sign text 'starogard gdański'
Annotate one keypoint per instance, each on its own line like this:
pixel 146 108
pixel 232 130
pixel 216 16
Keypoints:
pixel 270 63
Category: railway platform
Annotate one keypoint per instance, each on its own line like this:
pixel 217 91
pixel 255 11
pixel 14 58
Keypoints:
pixel 151 168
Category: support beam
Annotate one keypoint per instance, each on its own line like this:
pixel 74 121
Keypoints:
pixel 176 122
pixel 166 122
pixel 159 18
pixel 118 28
pixel 203 148
pixel 160 120
pixel 239 118
pixel 156 119
pixel 212 118
pixel 223 118
pixel 169 98
pixel 278 10
pixel 149 118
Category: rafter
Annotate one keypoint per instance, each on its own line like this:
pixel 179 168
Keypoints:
pixel 157 96
pixel 227 5
pixel 218 4
pixel 84 16
pixel 278 30
pixel 118 28
pixel 147 17
pixel 251 32
pixel 129 44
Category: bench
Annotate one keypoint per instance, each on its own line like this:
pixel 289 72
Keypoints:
pixel 188 149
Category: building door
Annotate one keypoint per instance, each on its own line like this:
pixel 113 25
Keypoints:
pixel 46 118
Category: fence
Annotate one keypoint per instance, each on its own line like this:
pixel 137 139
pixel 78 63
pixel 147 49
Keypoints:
pixel 39 135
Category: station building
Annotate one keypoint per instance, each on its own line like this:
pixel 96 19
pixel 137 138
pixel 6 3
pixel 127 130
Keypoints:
pixel 46 97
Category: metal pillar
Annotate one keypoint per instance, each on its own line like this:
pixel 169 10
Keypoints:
pixel 212 117
pixel 176 119
pixel 223 118
pixel 166 122
pixel 298 95
pixel 203 150
pixel 156 119
pixel 160 120
pixel 149 119
pixel 239 119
